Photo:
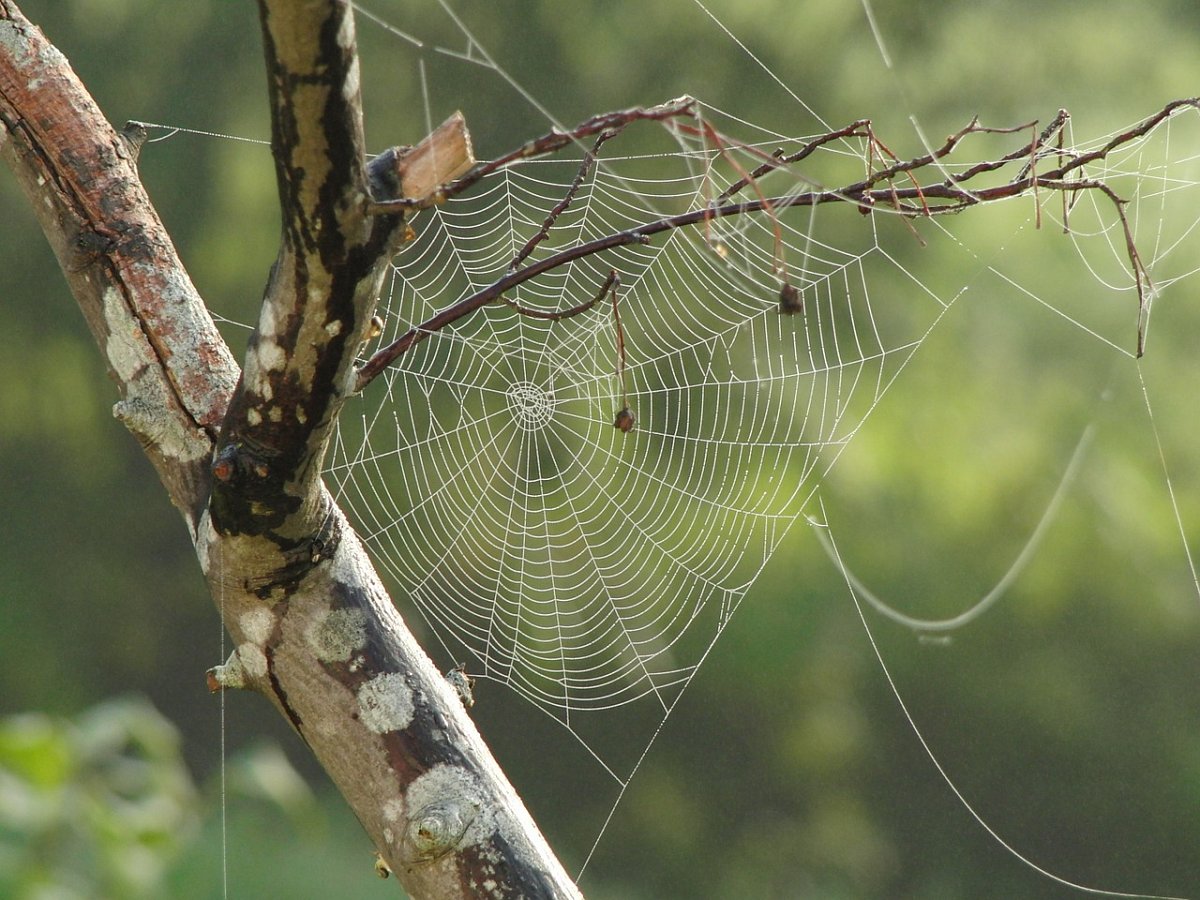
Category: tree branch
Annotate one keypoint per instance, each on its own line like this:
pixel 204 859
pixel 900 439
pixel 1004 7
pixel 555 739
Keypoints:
pixel 951 195
pixel 313 628
pixel 170 365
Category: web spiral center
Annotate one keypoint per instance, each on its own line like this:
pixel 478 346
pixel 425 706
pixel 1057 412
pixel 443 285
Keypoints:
pixel 531 404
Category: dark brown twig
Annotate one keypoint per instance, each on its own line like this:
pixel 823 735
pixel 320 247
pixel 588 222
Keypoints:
pixel 949 196
pixel 585 168
pixel 779 160
pixel 548 143
pixel 614 283
pixel 555 315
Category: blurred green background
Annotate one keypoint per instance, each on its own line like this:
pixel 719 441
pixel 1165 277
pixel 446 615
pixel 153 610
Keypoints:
pixel 1068 716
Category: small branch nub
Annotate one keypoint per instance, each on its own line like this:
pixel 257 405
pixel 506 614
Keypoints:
pixel 224 677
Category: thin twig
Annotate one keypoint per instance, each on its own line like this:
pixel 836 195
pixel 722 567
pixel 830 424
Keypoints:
pixel 585 168
pixel 947 197
pixel 554 316
pixel 541 146
pixel 614 283
pixel 779 160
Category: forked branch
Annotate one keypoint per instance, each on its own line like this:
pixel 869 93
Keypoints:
pixel 313 627
pixel 890 184
pixel 550 142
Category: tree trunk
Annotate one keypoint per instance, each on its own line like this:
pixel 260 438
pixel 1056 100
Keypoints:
pixel 240 453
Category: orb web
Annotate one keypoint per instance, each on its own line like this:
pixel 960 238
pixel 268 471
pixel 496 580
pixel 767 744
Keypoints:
pixel 583 566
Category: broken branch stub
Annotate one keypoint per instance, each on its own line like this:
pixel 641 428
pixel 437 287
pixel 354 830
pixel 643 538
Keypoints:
pixel 405 179
pixel 443 155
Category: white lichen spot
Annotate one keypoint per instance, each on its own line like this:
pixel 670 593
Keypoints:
pixel 257 625
pixel 268 392
pixel 337 636
pixel 345 35
pixel 275 414
pixel 334 328
pixel 267 321
pixel 205 535
pixel 253 416
pixel 146 408
pixel 385 703
pixel 350 86
pixel 126 353
pixel 271 356
pixel 14 43
pixel 253 660
pixel 301 415
pixel 392 810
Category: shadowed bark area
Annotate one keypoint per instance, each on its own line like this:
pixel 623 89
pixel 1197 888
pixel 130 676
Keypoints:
pixel 240 453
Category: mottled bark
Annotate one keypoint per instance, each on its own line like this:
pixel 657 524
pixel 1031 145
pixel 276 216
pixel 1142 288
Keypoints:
pixel 172 369
pixel 240 453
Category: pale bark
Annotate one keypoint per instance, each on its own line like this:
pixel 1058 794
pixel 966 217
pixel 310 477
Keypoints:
pixel 240 453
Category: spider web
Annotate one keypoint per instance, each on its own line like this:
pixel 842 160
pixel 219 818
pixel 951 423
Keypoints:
pixel 585 567
pixel 590 570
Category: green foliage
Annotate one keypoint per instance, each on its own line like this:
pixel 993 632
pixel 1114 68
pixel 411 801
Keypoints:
pixel 95 806
pixel 102 805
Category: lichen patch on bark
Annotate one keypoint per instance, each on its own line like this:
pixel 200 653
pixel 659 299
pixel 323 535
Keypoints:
pixel 257 625
pixel 337 636
pixel 385 703
pixel 147 406
pixel 271 357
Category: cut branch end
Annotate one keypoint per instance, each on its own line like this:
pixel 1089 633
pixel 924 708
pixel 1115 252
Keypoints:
pixel 442 156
